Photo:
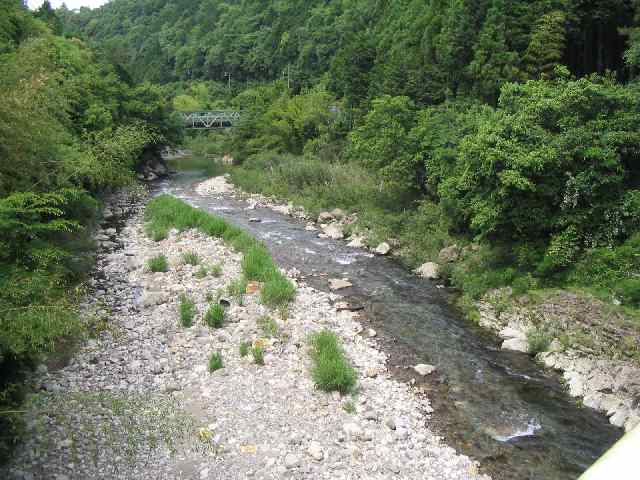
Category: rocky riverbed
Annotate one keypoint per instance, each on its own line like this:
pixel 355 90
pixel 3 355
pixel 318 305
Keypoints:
pixel 138 401
pixel 589 360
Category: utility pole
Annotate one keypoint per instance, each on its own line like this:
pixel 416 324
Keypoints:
pixel 287 72
pixel 228 75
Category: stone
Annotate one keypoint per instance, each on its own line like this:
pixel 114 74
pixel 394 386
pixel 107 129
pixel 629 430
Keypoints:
pixel 511 332
pixel 291 461
pixel 370 415
pixel 339 284
pixel 338 213
pixel 352 430
pixel 383 249
pixel 333 231
pixel 315 451
pixel 255 220
pixel 310 228
pixel 390 423
pixel 357 241
pixel 424 369
pixel 325 217
pixel 152 298
pixel 516 345
pixel 371 372
pixel 371 333
pixel 428 270
pixel 449 254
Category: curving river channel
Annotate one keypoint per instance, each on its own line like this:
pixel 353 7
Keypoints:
pixel 498 407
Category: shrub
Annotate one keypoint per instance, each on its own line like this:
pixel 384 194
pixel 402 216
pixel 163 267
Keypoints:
pixel 215 362
pixel 258 265
pixel 214 317
pixel 277 291
pixel 538 340
pixel 187 309
pixel 629 291
pixel 190 258
pixel 244 349
pixel 158 264
pixel 237 289
pixel 216 270
pixel 331 370
pixel 257 353
pixel 269 326
pixel 201 273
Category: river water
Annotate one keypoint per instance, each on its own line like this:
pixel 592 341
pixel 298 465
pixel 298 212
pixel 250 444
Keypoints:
pixel 500 408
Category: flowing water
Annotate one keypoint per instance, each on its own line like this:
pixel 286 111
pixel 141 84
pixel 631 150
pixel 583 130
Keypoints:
pixel 499 407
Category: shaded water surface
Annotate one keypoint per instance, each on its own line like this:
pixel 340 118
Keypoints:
pixel 498 407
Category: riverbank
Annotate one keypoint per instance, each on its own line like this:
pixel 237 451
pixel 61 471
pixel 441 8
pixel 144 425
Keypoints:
pixel 139 401
pixel 588 341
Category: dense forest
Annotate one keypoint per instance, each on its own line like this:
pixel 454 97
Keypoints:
pixel 510 127
pixel 509 123
pixel 71 128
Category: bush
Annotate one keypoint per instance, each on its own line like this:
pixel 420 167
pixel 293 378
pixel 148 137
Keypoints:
pixel 216 270
pixel 269 326
pixel 237 289
pixel 244 349
pixel 158 264
pixel 215 362
pixel 538 340
pixel 187 310
pixel 257 352
pixel 214 317
pixel 331 370
pixel 277 291
pixel 629 291
pixel 190 258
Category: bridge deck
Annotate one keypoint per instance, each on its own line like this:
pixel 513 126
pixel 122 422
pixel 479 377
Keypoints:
pixel 210 119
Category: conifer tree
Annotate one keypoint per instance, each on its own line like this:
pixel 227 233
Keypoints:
pixel 547 44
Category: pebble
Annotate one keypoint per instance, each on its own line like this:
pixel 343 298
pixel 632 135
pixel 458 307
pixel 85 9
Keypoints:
pixel 291 460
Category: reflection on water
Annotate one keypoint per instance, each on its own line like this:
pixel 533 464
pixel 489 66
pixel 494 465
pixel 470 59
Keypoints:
pixel 499 407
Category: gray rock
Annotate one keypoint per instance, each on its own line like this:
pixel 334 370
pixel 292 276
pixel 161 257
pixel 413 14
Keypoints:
pixel 391 423
pixel 338 213
pixel 333 231
pixel 516 345
pixel 424 369
pixel 315 451
pixel 383 249
pixel 291 460
pixel 352 430
pixel 429 270
pixel 339 283
pixel 449 254
pixel 325 217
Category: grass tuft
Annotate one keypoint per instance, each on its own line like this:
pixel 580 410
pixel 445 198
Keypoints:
pixel 215 362
pixel 257 353
pixel 214 317
pixel 216 270
pixel 201 273
pixel 158 263
pixel 237 289
pixel 187 310
pixel 269 326
pixel 190 258
pixel 244 348
pixel 331 370
pixel 278 291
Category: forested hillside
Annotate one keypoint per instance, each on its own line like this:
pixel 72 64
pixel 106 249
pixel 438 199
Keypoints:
pixel 428 50
pixel 71 128
pixel 509 123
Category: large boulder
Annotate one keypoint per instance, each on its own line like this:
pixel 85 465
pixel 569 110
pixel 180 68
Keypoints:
pixel 333 230
pixel 383 249
pixel 325 217
pixel 338 213
pixel 449 254
pixel 428 270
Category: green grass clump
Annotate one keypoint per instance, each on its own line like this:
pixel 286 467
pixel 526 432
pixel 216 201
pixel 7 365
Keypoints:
pixel 258 265
pixel 187 310
pixel 158 263
pixel 237 289
pixel 278 291
pixel 331 370
pixel 244 349
pixel 349 407
pixel 190 258
pixel 201 273
pixel 215 362
pixel 216 270
pixel 257 353
pixel 538 340
pixel 269 326
pixel 214 317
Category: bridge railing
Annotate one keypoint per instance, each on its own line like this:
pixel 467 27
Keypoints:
pixel 211 119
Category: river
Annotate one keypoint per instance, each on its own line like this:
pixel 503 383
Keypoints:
pixel 498 407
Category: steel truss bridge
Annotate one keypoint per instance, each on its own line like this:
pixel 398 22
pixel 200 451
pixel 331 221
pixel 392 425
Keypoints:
pixel 211 119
